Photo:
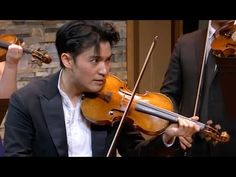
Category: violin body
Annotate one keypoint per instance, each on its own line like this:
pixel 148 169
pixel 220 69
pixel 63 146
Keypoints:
pixel 9 38
pixel 224 44
pixel 109 104
pixel 149 112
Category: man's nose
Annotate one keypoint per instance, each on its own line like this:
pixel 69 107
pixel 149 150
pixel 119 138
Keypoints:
pixel 104 68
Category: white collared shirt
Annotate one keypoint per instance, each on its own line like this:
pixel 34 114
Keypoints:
pixel 209 40
pixel 77 127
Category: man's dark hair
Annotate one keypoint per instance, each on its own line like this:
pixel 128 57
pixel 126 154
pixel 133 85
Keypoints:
pixel 76 36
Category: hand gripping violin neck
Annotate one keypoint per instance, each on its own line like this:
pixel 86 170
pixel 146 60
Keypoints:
pixel 6 40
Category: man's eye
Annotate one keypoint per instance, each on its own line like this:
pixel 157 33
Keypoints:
pixel 95 59
pixel 109 59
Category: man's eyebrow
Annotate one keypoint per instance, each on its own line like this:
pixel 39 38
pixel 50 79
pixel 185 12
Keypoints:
pixel 111 55
pixel 98 56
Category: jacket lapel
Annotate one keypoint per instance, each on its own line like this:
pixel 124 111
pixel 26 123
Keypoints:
pixel 211 68
pixel 54 117
pixel 200 46
pixel 52 108
pixel 208 75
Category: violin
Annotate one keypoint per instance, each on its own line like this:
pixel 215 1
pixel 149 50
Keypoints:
pixel 224 43
pixel 149 112
pixel 6 40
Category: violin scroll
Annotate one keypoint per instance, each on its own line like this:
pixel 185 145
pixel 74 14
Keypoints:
pixel 214 134
pixel 42 55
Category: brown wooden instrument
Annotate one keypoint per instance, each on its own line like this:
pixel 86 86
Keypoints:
pixel 149 112
pixel 6 40
pixel 224 43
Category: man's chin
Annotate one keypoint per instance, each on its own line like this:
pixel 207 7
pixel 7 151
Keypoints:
pixel 96 89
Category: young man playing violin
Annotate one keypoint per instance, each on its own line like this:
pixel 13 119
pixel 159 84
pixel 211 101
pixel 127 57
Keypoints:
pixel 45 119
pixel 181 84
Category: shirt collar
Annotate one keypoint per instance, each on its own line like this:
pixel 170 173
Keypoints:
pixel 211 32
pixel 65 98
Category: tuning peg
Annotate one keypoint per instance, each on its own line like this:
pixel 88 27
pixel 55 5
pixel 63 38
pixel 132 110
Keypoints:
pixel 225 136
pixel 215 142
pixel 217 126
pixel 209 122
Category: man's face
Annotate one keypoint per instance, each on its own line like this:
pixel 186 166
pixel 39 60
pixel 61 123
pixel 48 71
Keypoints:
pixel 90 68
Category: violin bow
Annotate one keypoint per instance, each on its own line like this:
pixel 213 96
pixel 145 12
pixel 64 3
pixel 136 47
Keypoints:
pixel 131 97
pixel 202 71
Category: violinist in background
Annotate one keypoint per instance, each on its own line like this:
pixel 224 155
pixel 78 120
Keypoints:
pixel 8 82
pixel 8 70
pixel 181 83
pixel 44 118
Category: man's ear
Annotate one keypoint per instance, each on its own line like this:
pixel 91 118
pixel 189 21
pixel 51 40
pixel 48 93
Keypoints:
pixel 66 60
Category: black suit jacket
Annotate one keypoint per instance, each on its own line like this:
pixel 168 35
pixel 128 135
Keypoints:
pixel 35 126
pixel 181 83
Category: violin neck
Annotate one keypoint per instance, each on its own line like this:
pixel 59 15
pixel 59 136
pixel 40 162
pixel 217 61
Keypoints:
pixel 5 45
pixel 162 113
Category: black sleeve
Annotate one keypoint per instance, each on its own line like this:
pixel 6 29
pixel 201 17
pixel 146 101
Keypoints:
pixel 132 143
pixel 18 129
pixel 172 84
